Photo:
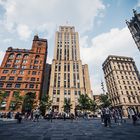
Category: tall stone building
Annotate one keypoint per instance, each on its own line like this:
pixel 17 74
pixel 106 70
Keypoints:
pixel 23 70
pixel 134 27
pixel 123 82
pixel 69 77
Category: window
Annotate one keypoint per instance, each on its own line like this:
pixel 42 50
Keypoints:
pixel 11 55
pixel 36 62
pixel 21 72
pixel 19 78
pixel 68 92
pixel 65 92
pixel 57 99
pixel 9 85
pixel 54 92
pixel 32 79
pixel 26 56
pixel 58 92
pixel 3 78
pixel 31 86
pixel 16 66
pixel 75 92
pixel 124 100
pixel 9 60
pixel 1 84
pixel 79 92
pixel 11 78
pixel 24 61
pixel 5 71
pixel 17 85
pixel 19 56
pixel 8 65
pixel 13 72
pixel 23 67
pixel 34 73
pixel 26 85
pixel 17 61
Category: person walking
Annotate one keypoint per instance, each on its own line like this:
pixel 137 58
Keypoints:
pixel 107 118
pixel 36 114
pixel 102 115
pixel 132 115
pixel 71 117
pixel 18 116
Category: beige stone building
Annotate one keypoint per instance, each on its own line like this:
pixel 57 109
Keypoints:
pixel 69 77
pixel 122 80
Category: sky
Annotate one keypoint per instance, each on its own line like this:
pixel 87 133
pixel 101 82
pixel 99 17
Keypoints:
pixel 100 23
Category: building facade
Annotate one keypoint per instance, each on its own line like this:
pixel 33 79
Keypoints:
pixel 123 82
pixel 23 70
pixel 69 77
pixel 134 27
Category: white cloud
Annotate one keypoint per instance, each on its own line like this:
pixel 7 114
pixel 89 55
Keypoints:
pixel 45 15
pixel 115 42
pixel 138 3
pixel 23 31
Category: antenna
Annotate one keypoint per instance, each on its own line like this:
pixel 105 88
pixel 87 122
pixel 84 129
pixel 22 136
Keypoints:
pixel 102 87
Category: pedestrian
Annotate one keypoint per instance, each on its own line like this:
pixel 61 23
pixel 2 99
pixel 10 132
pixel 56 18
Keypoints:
pixel 76 114
pixel 36 114
pixel 51 115
pixel 120 115
pixel 18 116
pixel 107 118
pixel 102 115
pixel 115 115
pixel 71 117
pixel 64 116
pixel 132 115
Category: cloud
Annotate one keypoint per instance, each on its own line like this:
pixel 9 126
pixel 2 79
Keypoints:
pixel 23 31
pixel 46 15
pixel 138 3
pixel 115 42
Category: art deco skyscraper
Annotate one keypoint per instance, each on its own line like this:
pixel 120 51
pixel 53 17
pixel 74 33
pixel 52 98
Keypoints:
pixel 123 82
pixel 68 77
pixel 134 27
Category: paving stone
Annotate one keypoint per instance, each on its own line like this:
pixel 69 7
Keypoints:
pixel 67 130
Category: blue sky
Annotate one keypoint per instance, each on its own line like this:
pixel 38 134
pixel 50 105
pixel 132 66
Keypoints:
pixel 100 23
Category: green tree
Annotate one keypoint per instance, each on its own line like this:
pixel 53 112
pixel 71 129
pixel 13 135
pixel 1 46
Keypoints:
pixel 93 105
pixel 67 105
pixel 3 96
pixel 17 101
pixel 45 104
pixel 29 102
pixel 105 102
pixel 84 102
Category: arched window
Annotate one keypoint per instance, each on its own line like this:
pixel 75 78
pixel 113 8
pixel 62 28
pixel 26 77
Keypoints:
pixel 18 56
pixel 26 56
pixel 11 55
pixel 37 57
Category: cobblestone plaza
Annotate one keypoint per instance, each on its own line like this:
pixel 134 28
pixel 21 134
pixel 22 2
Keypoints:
pixel 67 130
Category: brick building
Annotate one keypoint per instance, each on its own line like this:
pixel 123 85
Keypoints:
pixel 23 70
